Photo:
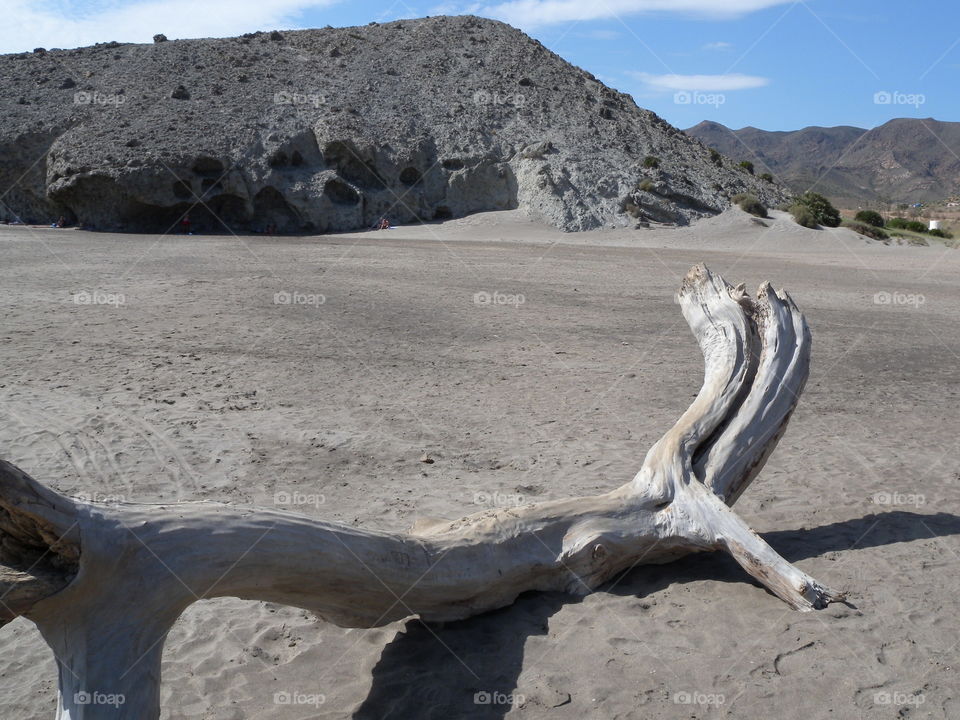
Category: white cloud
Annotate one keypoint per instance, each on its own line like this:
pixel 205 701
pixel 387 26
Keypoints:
pixel 532 13
pixel 704 83
pixel 47 23
pixel 599 34
pixel 719 45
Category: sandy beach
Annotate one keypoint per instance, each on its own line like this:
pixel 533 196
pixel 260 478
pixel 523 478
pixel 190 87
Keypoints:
pixel 315 374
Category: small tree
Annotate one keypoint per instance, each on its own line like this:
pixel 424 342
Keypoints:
pixel 651 161
pixel 747 165
pixel 767 176
pixel 870 217
pixel 715 157
pixel 823 211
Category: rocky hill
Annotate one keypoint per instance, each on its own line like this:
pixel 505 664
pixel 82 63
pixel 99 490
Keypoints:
pixel 903 160
pixel 331 129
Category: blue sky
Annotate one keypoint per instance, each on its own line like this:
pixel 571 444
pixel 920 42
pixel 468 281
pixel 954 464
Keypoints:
pixel 768 63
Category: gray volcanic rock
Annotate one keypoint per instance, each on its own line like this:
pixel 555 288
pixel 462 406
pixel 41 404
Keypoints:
pixel 331 129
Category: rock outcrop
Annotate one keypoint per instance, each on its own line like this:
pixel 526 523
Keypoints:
pixel 331 129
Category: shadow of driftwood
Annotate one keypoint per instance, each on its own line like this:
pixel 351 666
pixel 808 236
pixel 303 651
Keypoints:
pixel 470 668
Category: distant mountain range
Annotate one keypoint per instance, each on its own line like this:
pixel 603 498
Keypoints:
pixel 902 161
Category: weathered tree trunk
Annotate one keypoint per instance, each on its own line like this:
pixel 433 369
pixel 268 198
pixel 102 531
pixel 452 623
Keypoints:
pixel 105 584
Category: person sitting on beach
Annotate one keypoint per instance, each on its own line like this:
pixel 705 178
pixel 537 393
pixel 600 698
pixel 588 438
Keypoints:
pixel 384 224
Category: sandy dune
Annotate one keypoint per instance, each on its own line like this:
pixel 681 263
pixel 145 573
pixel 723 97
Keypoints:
pixel 317 371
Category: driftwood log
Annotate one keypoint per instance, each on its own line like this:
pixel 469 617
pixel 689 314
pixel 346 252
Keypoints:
pixel 105 584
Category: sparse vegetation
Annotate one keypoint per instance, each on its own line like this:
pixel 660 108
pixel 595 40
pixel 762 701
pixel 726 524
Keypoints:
pixel 804 216
pixel 749 203
pixel 901 223
pixel 715 157
pixel 646 185
pixel 868 229
pixel 651 161
pixel 824 213
pixel 747 165
pixel 766 176
pixel 940 234
pixel 870 217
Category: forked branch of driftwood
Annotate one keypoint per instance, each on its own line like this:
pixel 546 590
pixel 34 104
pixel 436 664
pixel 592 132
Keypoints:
pixel 105 584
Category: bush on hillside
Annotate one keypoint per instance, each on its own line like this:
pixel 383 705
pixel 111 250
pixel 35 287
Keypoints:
pixel 941 234
pixel 650 161
pixel 804 216
pixel 870 217
pixel 823 212
pixel 749 203
pixel 747 165
pixel 767 176
pixel 868 229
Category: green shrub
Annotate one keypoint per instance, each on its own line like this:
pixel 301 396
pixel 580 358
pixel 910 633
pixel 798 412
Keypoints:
pixel 916 226
pixel 870 217
pixel 715 157
pixel 651 161
pixel 767 176
pixel 868 229
pixel 646 185
pixel 941 234
pixel 824 213
pixel 804 215
pixel 897 223
pixel 749 203
pixel 747 165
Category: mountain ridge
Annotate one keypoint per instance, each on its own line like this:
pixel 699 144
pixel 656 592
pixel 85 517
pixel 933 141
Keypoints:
pixel 904 160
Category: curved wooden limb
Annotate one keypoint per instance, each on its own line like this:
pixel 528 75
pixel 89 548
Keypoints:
pixel 39 542
pixel 114 579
